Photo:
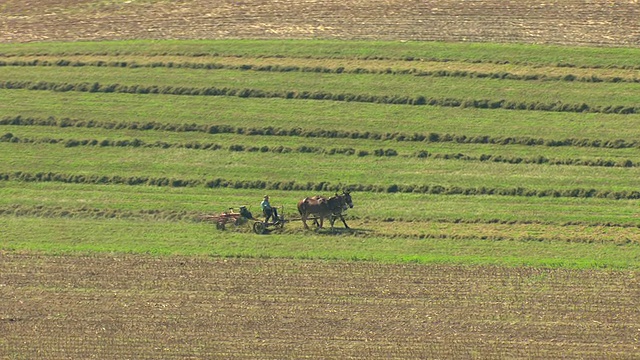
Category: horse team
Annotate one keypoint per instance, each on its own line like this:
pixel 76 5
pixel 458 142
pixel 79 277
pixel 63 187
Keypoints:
pixel 319 207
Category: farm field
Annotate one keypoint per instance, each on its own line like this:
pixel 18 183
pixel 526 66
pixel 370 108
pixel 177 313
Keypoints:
pixel 495 182
pixel 570 22
pixel 92 168
pixel 200 307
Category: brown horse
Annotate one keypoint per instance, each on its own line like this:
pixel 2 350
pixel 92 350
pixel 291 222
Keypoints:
pixel 321 207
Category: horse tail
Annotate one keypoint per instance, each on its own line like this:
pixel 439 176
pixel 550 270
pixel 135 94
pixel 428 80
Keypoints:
pixel 302 206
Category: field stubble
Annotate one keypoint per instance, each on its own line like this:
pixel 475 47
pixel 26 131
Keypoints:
pixel 181 307
pixel 570 22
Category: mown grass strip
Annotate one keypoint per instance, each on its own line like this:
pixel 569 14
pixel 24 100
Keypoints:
pixel 373 209
pixel 495 230
pixel 58 236
pixel 481 93
pixel 347 151
pixel 385 174
pixel 317 133
pixel 561 56
pixel 366 68
pixel 96 87
pixel 512 153
pixel 195 136
pixel 313 186
pixel 310 115
pixel 86 212
pixel 393 173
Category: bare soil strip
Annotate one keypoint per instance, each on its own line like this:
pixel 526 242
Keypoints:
pixel 142 307
pixel 569 22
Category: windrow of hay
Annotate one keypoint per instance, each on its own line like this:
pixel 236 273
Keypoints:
pixel 593 78
pixel 317 186
pixel 279 149
pixel 401 99
pixel 213 128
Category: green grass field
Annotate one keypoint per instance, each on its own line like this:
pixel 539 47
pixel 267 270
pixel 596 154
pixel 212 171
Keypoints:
pixel 544 188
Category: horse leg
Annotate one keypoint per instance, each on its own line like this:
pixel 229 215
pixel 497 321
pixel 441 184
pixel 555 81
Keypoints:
pixel 344 222
pixel 304 221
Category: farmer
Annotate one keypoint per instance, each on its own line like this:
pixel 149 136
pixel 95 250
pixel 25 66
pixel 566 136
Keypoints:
pixel 268 211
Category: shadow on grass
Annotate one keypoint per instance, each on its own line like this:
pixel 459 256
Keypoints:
pixel 340 231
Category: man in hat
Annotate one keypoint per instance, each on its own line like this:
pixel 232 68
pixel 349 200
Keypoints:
pixel 268 211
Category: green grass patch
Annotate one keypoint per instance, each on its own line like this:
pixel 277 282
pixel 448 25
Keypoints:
pixel 55 236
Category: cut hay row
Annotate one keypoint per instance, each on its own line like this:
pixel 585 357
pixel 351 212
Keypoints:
pixel 258 113
pixel 366 68
pixel 420 100
pixel 378 56
pixel 211 136
pixel 346 151
pixel 368 87
pixel 319 133
pixel 319 186
pixel 398 173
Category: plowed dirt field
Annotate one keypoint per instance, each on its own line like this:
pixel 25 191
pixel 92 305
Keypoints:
pixel 142 307
pixel 603 23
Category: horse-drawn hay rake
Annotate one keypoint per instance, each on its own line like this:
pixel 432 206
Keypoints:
pixel 314 209
pixel 224 218
pixel 244 216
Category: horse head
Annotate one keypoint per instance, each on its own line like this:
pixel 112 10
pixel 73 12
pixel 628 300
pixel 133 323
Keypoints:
pixel 345 200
